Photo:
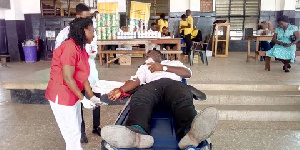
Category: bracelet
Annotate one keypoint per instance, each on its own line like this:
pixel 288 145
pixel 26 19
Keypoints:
pixel 123 94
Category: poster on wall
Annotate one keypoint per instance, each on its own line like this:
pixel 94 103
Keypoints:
pixel 139 15
pixel 107 21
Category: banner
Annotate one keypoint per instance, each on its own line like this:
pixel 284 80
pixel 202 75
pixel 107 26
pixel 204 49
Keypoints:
pixel 139 15
pixel 108 8
pixel 140 10
pixel 107 21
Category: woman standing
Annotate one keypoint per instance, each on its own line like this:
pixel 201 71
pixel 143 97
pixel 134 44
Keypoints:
pixel 162 22
pixel 285 47
pixel 68 77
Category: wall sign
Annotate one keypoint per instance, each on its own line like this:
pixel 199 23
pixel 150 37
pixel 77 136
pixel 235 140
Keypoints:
pixel 206 6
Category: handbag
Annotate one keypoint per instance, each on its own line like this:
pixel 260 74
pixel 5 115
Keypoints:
pixel 292 38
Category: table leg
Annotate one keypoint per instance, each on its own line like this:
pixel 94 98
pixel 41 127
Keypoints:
pixel 100 55
pixel 147 46
pixel 178 45
pixel 256 50
pixel 107 60
pixel 248 52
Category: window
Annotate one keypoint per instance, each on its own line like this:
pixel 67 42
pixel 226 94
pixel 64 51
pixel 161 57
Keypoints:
pixel 240 13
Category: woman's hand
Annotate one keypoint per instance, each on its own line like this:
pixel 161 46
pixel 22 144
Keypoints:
pixel 114 94
pixel 280 43
pixel 287 45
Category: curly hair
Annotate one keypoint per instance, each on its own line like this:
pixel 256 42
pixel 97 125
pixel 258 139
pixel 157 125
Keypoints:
pixel 77 33
pixel 284 19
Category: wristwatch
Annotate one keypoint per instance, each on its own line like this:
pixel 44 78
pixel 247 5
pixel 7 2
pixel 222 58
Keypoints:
pixel 165 68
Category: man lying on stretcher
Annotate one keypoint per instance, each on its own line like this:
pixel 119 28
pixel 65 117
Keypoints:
pixel 162 86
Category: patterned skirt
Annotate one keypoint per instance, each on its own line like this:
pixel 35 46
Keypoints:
pixel 281 52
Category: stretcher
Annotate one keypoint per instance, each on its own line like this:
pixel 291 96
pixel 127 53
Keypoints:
pixel 162 127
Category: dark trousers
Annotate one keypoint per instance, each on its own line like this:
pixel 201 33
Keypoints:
pixel 96 119
pixel 188 40
pixel 265 45
pixel 173 95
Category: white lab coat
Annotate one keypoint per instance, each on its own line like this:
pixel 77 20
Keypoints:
pixel 91 49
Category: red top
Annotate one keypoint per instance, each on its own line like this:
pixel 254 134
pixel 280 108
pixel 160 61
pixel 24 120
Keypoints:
pixel 67 54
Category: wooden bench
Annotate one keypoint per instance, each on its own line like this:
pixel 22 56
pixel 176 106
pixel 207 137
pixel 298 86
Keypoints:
pixel 268 59
pixel 177 53
pixel 109 52
pixel 3 60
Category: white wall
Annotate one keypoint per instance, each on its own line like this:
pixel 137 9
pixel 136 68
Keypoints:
pixel 20 7
pixel 277 5
pixel 289 5
pixel 15 11
pixel 195 5
pixel 2 14
pixel 31 6
pixel 268 5
pixel 179 5
pixel 121 4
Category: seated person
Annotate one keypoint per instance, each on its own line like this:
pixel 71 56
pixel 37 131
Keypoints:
pixel 165 32
pixel 196 35
pixel 161 86
pixel 265 28
pixel 284 48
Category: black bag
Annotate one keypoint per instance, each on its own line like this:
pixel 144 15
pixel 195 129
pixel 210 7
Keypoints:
pixel 293 38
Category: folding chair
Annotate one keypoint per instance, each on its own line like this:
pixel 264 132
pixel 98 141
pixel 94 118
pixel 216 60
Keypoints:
pixel 198 47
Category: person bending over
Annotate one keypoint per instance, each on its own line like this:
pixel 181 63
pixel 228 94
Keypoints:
pixel 161 86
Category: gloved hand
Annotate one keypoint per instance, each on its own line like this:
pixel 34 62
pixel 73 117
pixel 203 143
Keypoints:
pixel 87 103
pixel 97 101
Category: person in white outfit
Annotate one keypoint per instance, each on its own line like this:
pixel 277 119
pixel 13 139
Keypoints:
pixel 82 11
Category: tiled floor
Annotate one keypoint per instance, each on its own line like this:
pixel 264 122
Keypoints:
pixel 27 126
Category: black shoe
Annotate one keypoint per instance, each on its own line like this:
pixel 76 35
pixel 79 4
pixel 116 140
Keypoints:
pixel 97 131
pixel 289 67
pixel 84 139
pixel 286 71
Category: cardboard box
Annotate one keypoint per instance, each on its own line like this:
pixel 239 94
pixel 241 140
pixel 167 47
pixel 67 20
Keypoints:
pixel 125 60
pixel 196 58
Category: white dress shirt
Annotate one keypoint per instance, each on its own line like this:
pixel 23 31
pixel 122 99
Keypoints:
pixel 145 75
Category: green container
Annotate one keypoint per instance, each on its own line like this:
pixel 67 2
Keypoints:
pixel 113 23
pixel 99 33
pixel 103 33
pixel 107 23
pixel 114 32
pixel 113 16
pixel 107 16
pixel 108 33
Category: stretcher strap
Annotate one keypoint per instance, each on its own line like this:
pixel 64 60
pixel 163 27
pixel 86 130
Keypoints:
pixel 123 94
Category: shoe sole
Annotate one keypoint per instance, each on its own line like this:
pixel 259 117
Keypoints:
pixel 202 127
pixel 122 137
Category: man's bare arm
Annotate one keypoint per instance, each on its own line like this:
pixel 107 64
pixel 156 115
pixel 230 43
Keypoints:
pixel 128 86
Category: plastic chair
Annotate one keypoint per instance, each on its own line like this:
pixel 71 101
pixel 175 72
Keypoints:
pixel 198 47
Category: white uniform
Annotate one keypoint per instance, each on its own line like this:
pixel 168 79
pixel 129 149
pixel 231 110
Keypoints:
pixel 91 49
